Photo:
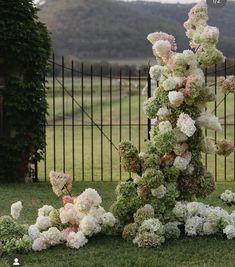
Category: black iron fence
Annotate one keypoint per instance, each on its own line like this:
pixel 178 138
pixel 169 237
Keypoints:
pixel 91 109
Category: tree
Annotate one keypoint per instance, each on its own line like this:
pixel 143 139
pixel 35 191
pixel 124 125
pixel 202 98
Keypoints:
pixel 24 50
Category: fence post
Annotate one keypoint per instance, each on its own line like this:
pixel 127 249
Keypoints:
pixel 149 95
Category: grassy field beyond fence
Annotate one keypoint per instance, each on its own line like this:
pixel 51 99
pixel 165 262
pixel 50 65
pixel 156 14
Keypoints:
pixel 113 105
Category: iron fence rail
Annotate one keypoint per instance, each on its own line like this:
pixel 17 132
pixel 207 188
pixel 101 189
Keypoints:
pixel 90 113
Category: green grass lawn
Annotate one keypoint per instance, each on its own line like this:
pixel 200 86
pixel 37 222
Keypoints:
pixel 113 251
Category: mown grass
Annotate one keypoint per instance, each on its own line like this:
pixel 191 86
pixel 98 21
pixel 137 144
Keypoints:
pixel 107 251
pixel 138 134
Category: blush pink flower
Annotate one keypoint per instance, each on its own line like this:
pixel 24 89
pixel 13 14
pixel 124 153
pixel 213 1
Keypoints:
pixel 61 182
pixel 67 199
pixel 157 36
pixel 67 231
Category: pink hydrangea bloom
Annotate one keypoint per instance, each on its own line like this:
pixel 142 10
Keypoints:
pixel 186 124
pixel 67 231
pixel 67 199
pixel 157 36
pixel 227 85
pixel 61 182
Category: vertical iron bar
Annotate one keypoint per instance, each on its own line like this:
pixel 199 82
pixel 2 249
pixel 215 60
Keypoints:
pixel 215 115
pixel 92 129
pixel 83 155
pixel 63 112
pixel 139 121
pixel 149 95
pixel 101 124
pixel 130 105
pixel 45 149
pixel 111 124
pixel 206 157
pixel 234 123
pixel 225 120
pixel 120 118
pixel 73 157
pixel 54 134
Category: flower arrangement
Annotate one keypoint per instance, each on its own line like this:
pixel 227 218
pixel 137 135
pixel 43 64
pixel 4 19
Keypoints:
pixel 80 218
pixel 170 170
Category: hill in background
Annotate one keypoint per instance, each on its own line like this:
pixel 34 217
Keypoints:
pixel 106 29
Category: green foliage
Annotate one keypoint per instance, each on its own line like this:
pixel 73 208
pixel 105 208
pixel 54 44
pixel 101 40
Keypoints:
pixel 13 236
pixel 24 51
pixel 171 230
pixel 151 107
pixel 126 189
pixel 142 214
pixel 10 229
pixel 153 178
pixel 164 143
pixel 130 158
pixel 127 202
pixel 21 245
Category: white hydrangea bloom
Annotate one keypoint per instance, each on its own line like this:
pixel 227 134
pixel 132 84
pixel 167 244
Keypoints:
pixel 176 98
pixel 42 222
pixel 45 210
pixel 159 192
pixel 39 244
pixel 76 240
pixel 16 209
pixel 170 84
pixel 152 225
pixel 162 48
pixel 89 226
pixel 34 232
pixel 186 124
pixel 215 215
pixel 192 208
pixel 229 231
pixel 97 212
pixel 108 219
pixel 209 229
pixel 155 72
pixel 180 210
pixel 68 213
pixel 208 120
pixel 163 112
pixel 193 226
pixel 165 127
pixel 228 196
pixel 191 59
pixel 53 236
pixel 88 198
pixel 181 163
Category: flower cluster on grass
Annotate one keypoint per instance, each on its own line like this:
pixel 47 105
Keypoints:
pixel 80 218
pixel 228 197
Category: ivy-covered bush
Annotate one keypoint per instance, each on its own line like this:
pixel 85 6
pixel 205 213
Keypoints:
pixel 24 50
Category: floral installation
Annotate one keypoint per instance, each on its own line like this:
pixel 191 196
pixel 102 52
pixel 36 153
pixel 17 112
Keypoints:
pixel 154 205
pixel 158 202
pixel 80 218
